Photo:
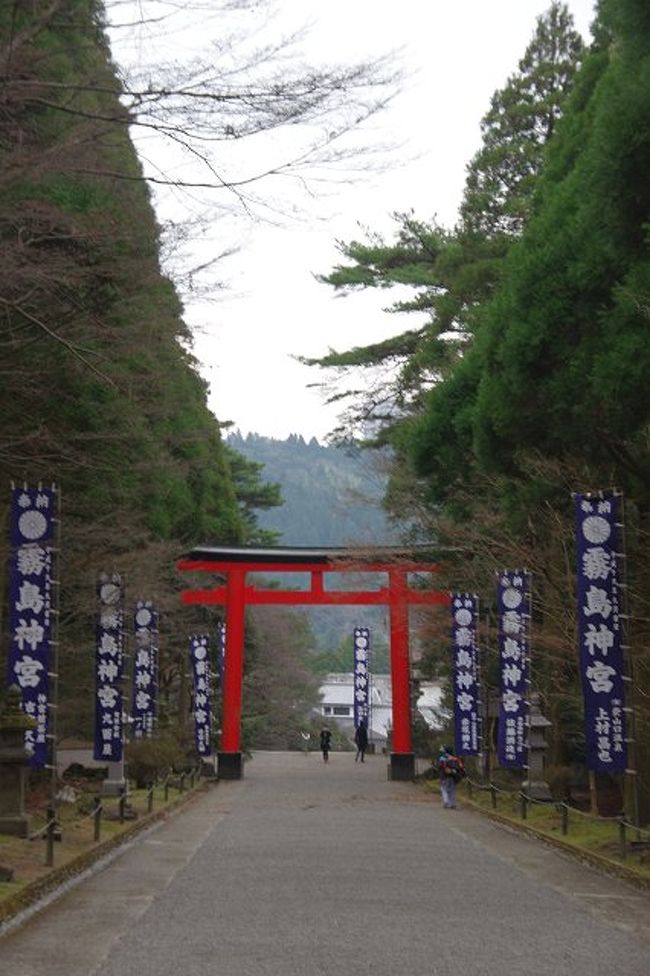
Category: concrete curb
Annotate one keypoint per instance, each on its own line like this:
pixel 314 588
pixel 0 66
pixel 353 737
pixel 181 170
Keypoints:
pixel 599 861
pixel 31 894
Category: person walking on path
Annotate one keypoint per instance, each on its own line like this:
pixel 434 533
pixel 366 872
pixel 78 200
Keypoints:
pixel 361 739
pixel 325 743
pixel 451 770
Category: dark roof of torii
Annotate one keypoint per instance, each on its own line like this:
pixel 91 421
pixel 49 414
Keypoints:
pixel 282 555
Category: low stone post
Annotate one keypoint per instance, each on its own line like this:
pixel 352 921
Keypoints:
pixel 208 769
pixel 536 786
pixel 115 780
pixel 14 760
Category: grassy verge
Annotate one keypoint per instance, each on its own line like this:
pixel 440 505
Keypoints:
pixel 594 839
pixel 77 848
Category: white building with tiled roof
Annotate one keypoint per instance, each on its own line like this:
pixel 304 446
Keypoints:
pixel 337 691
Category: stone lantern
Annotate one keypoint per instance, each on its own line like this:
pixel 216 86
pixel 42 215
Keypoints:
pixel 14 760
pixel 536 786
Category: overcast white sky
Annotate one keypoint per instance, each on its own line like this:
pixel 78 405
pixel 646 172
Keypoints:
pixel 456 54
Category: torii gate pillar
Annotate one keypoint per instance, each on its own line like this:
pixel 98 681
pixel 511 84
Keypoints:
pixel 229 758
pixel 402 757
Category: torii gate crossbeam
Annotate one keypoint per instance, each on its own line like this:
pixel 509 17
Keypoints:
pixel 235 562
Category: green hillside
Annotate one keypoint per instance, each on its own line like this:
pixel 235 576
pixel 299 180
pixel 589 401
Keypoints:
pixel 331 496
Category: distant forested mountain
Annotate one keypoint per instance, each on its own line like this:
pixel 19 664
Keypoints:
pixel 331 496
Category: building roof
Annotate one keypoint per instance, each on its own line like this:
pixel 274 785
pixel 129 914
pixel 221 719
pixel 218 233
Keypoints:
pixel 282 555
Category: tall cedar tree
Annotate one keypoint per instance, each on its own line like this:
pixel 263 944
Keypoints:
pixel 100 393
pixel 100 390
pixel 552 397
pixel 452 272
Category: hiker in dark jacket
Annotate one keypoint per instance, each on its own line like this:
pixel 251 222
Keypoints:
pixel 361 739
pixel 325 743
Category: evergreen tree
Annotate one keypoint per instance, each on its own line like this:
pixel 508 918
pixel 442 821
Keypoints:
pixel 522 118
pixel 552 397
pixel 452 273
pixel 561 362
pixel 100 391
pixel 280 688
pixel 253 495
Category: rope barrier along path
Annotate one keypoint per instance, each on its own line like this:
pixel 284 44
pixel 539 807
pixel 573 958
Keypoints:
pixel 51 829
pixel 99 808
pixel 558 804
pixel 43 830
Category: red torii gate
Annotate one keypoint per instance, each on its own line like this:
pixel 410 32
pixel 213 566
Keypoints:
pixel 235 562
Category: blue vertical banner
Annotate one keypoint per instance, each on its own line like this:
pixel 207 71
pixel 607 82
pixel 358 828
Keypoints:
pixel 201 699
pixel 361 668
pixel 600 628
pixel 513 608
pixel 34 514
pixel 109 669
pixel 221 650
pixel 465 673
pixel 145 670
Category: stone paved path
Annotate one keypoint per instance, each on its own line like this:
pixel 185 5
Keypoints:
pixel 303 869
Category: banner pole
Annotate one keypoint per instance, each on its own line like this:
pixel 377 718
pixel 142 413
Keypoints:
pixel 126 684
pixel 631 772
pixel 479 676
pixel 529 671
pixel 488 711
pixel 53 690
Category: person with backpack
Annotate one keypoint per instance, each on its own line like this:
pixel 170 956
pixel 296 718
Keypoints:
pixel 451 770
